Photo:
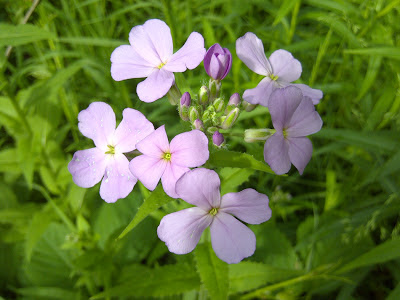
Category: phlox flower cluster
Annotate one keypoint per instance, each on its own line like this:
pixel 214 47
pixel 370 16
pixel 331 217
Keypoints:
pixel 210 116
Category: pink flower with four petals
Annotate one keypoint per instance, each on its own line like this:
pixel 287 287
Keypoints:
pixel 107 160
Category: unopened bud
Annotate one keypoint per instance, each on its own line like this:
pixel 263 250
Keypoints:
pixel 218 138
pixel 218 104
pixel 204 95
pixel 257 135
pixel 198 124
pixel 234 99
pixel 193 114
pixel 184 106
pixel 186 99
pixel 248 106
pixel 215 87
pixel 230 118
pixel 174 95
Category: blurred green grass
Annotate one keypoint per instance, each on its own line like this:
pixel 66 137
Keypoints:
pixel 57 240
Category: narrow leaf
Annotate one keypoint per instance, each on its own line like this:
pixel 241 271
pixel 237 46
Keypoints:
pixel 156 199
pixel 11 35
pixel 389 52
pixel 213 271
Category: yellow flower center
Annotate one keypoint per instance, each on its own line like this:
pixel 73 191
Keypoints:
pixel 161 65
pixel 111 150
pixel 213 211
pixel 274 77
pixel 167 156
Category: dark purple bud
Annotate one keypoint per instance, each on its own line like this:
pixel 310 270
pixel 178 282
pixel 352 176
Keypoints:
pixel 234 99
pixel 217 62
pixel 186 99
pixel 218 138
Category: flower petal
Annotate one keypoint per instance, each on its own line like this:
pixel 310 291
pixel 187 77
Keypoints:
pixel 200 187
pixel 189 149
pixel 181 231
pixel 132 129
pixel 189 56
pixel 261 93
pixel 285 66
pixel 248 205
pixel 276 154
pixel 216 48
pixel 231 240
pixel 118 181
pixel 282 105
pixel 314 94
pixel 171 175
pixel 155 86
pixel 87 167
pixel 155 144
pixel 300 152
pixel 250 50
pixel 97 122
pixel 305 120
pixel 152 41
pixel 148 170
pixel 126 64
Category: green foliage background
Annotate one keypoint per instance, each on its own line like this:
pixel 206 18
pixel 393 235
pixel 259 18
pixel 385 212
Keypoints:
pixel 335 230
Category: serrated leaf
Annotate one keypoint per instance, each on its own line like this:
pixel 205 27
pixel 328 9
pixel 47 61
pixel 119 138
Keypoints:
pixel 226 158
pixel 382 253
pixel 214 273
pixel 246 276
pixel 142 281
pixel 156 199
pixel 11 35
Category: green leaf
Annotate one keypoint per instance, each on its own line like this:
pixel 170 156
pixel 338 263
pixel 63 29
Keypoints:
pixel 395 294
pixel 284 9
pixel 11 35
pixel 226 158
pixel 389 52
pixel 48 293
pixel 213 271
pixel 9 161
pixel 90 41
pixel 246 276
pixel 382 253
pixel 231 178
pixel 156 199
pixel 142 281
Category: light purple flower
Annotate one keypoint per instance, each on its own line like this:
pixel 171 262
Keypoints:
pixel 294 117
pixel 107 160
pixel 167 161
pixel 280 70
pixel 150 54
pixel 217 62
pixel 231 240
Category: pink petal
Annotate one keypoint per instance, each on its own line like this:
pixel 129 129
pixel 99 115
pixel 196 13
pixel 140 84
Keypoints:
pixel 285 66
pixel 148 170
pixel 282 105
pixel 305 120
pixel 126 64
pixel 250 50
pixel 155 144
pixel 155 86
pixel 276 154
pixel 87 167
pixel 189 149
pixel 118 181
pixel 181 231
pixel 189 56
pixel 314 94
pixel 97 122
pixel 152 41
pixel 132 129
pixel 200 187
pixel 261 93
pixel 171 175
pixel 231 240
pixel 248 205
pixel 300 152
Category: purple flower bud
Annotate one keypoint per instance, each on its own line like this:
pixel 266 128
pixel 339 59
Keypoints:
pixel 234 99
pixel 217 62
pixel 218 138
pixel 186 99
pixel 198 124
